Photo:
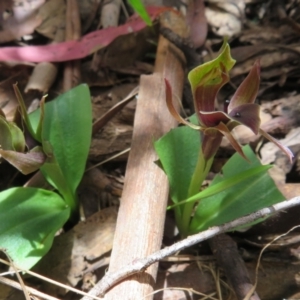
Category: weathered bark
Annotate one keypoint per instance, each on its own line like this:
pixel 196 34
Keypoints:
pixel 229 259
pixel 142 211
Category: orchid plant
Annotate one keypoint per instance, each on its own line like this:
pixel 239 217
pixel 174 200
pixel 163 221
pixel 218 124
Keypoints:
pixel 196 151
pixel 54 139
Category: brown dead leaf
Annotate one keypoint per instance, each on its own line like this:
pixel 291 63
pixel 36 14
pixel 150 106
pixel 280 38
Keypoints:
pixel 53 15
pixel 98 191
pixel 88 10
pixel 266 60
pixel 116 135
pixel 72 251
pixel 8 100
pixel 269 150
pixel 19 18
pixel 125 49
pixel 186 276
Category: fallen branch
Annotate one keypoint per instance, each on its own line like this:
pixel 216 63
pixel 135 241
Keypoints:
pixel 141 216
pixel 229 260
pixel 141 264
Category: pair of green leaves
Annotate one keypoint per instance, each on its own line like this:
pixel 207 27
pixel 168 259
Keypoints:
pixel 241 188
pixel 30 216
pixel 65 137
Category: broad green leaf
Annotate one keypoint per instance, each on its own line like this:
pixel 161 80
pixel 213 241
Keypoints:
pixel 178 153
pixel 30 218
pixel 241 199
pixel 224 184
pixel 140 9
pixel 67 127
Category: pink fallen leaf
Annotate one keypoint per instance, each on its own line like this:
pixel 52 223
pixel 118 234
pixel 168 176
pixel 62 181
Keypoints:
pixel 71 50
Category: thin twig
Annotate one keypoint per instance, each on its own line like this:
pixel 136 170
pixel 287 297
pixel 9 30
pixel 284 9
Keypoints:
pixel 32 291
pixel 247 297
pixel 99 123
pixel 140 265
pixel 22 285
pixel 47 280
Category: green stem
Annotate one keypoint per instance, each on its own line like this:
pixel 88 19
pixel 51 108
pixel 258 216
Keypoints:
pixel 201 171
pixel 70 199
pixel 54 175
pixel 178 219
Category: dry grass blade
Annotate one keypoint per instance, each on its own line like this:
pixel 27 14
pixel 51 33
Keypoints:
pixel 99 123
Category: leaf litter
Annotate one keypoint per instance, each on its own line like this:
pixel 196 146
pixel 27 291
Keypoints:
pixel 256 30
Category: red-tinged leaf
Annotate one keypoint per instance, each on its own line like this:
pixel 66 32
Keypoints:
pixel 211 141
pixel 26 163
pixel 211 119
pixel 172 109
pixel 226 132
pixel 247 91
pixel 206 91
pixel 71 50
pixel 285 149
pixel 248 115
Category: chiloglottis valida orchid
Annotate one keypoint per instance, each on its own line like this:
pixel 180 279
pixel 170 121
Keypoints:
pixel 206 80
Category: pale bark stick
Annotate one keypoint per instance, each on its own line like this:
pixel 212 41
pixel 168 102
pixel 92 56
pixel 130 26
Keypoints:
pixel 143 206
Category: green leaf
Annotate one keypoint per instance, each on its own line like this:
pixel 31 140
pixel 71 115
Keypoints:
pixel 199 75
pixel 224 184
pixel 178 153
pixel 53 173
pixel 140 9
pixel 67 129
pixel 39 127
pixel 241 199
pixel 18 139
pixel 6 140
pixel 30 218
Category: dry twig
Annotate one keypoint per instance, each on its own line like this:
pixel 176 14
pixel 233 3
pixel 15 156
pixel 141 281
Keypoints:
pixel 140 265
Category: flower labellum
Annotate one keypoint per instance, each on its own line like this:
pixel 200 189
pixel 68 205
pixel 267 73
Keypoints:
pixel 206 80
